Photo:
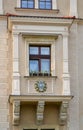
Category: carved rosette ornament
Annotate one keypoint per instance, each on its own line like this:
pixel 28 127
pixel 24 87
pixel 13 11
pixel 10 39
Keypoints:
pixel 40 86
pixel 16 112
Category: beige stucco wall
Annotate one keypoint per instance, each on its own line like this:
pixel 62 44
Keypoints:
pixel 74 82
pixel 62 5
pixel 28 116
pixel 4 74
pixel 80 74
pixel 80 8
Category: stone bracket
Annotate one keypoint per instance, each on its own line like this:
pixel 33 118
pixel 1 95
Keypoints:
pixel 63 112
pixel 16 112
pixel 40 112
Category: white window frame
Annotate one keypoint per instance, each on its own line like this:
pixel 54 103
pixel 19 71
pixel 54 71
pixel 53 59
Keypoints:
pixel 53 46
pixel 54 4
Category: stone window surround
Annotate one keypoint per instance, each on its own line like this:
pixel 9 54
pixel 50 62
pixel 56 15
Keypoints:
pixel 52 44
pixel 54 4
pixel 24 30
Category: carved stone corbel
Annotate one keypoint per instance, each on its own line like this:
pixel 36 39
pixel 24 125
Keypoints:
pixel 40 112
pixel 63 112
pixel 16 112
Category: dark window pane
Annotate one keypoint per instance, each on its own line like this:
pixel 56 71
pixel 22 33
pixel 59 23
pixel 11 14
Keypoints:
pixel 34 66
pixel 48 6
pixel 48 0
pixel 45 65
pixel 42 5
pixel 45 4
pixel 30 4
pixel 39 59
pixel 27 3
pixel 24 4
pixel 45 50
pixel 42 0
pixel 34 50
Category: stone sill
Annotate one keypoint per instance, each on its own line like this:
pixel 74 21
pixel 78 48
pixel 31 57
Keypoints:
pixel 40 76
pixel 37 10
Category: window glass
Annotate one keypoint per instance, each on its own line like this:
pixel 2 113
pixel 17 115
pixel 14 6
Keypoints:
pixel 45 65
pixel 45 50
pixel 39 57
pixel 34 66
pixel 34 50
pixel 45 4
pixel 30 4
pixel 48 6
pixel 42 5
pixel 27 3
pixel 24 4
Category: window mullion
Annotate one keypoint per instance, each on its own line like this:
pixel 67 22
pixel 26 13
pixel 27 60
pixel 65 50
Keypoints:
pixel 39 59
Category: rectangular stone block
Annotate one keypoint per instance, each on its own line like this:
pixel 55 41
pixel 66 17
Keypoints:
pixel 3 41
pixel 3 67
pixel 3 47
pixel 3 85
pixel 3 54
pixel 4 99
pixel 3 74
pixel 3 92
pixel 3 118
pixel 4 126
pixel 3 61
pixel 3 80
pixel 4 112
pixel 3 105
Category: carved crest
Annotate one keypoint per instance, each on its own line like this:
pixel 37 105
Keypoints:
pixel 40 86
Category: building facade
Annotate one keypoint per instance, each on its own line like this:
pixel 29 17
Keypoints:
pixel 41 65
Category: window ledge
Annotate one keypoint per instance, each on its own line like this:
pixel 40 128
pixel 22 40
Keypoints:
pixel 40 76
pixel 37 10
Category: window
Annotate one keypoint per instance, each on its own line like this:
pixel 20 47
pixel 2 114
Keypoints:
pixel 39 59
pixel 27 3
pixel 45 4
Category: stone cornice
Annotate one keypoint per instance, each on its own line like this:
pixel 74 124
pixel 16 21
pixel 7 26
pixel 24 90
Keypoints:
pixel 44 97
pixel 37 10
pixel 35 20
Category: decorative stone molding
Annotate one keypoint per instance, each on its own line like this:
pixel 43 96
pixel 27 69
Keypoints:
pixel 40 112
pixel 16 74
pixel 40 86
pixel 73 8
pixel 66 76
pixel 16 112
pixel 63 113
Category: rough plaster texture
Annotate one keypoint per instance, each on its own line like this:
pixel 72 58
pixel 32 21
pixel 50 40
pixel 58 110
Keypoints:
pixel 4 112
